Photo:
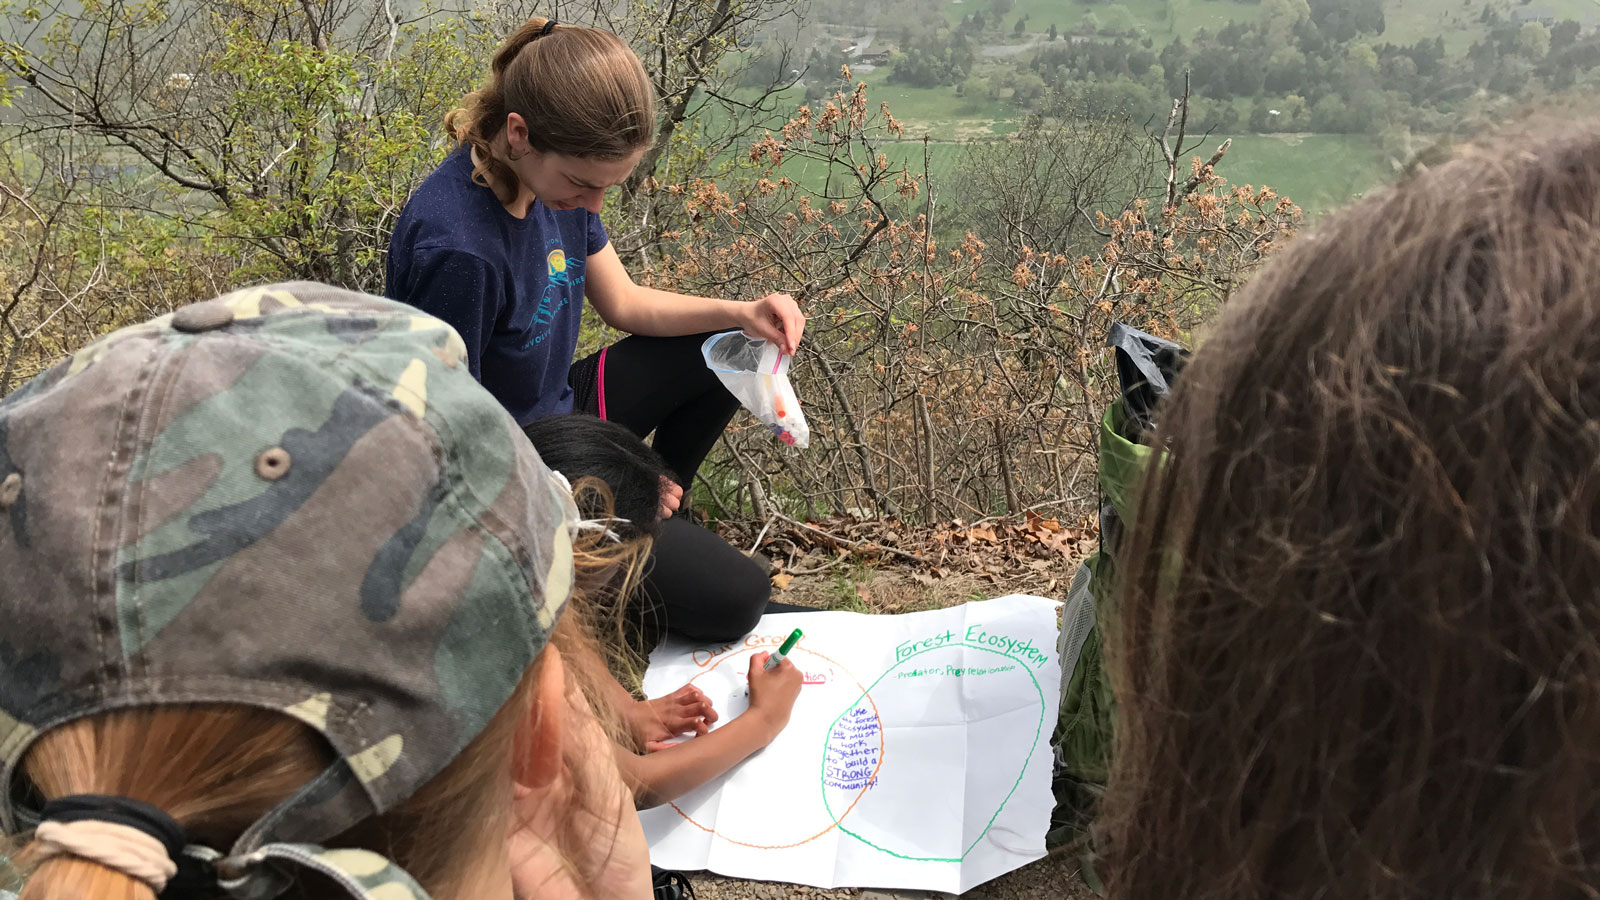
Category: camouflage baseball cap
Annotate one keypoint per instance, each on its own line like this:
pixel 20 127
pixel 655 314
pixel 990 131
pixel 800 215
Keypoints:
pixel 290 497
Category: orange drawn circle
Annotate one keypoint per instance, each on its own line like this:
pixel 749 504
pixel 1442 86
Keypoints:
pixel 876 717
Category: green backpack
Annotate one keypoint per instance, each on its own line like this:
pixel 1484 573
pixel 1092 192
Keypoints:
pixel 1146 366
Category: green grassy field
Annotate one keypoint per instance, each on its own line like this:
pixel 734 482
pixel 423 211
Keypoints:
pixel 1319 172
pixel 1158 19
pixel 1408 21
pixel 935 112
pixel 944 159
pixel 943 163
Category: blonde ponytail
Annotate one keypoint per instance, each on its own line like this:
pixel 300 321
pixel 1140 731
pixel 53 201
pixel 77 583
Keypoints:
pixel 218 770
pixel 66 876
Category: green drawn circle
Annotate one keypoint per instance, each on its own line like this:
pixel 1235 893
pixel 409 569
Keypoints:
pixel 828 738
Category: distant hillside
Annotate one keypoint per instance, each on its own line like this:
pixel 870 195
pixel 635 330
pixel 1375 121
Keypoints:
pixel 1342 92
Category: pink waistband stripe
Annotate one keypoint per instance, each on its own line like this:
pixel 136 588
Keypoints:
pixel 601 387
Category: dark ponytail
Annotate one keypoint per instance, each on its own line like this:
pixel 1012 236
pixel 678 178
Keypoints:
pixel 582 446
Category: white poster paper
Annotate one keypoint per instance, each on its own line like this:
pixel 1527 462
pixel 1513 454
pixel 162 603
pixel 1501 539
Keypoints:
pixel 918 755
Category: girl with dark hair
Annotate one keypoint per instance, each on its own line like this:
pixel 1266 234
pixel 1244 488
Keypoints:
pixel 594 453
pixel 504 242
pixel 581 446
pixel 1358 646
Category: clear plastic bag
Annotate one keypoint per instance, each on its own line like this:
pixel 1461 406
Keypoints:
pixel 757 373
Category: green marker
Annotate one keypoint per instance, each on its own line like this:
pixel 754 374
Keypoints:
pixel 788 644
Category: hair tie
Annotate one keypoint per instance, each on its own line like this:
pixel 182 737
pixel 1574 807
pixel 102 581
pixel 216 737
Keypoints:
pixel 576 523
pixel 118 811
pixel 549 26
pixel 130 836
pixel 602 525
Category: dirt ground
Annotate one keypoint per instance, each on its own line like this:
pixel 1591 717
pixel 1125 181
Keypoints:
pixel 1051 878
pixel 902 590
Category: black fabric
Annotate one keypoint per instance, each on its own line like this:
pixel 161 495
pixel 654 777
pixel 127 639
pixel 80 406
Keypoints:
pixel 1146 368
pixel 659 385
pixel 776 607
pixel 583 378
pixel 697 585
pixel 196 880
pixel 700 587
pixel 119 811
pixel 670 885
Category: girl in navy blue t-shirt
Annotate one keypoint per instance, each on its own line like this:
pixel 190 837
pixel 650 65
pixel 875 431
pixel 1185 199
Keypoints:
pixel 504 242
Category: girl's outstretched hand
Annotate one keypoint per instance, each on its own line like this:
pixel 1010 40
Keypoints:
pixel 776 318
pixel 684 711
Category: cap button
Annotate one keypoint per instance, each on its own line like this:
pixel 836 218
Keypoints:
pixel 207 316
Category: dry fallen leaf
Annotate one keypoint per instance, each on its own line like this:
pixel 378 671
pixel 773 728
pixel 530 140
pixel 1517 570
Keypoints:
pixel 1037 522
pixel 782 580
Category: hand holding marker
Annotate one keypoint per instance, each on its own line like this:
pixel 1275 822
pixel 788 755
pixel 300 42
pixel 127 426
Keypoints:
pixel 775 659
pixel 788 644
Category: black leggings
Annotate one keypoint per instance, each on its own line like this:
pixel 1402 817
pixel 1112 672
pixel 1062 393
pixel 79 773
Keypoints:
pixel 698 586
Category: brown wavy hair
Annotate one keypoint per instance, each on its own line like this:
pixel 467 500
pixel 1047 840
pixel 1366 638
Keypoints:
pixel 582 91
pixel 1358 652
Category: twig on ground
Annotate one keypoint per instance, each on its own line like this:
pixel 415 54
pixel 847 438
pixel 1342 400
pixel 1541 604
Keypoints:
pixel 831 565
pixel 849 544
pixel 761 534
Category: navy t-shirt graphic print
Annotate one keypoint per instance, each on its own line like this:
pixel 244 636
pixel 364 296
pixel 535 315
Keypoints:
pixel 512 287
pixel 564 277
